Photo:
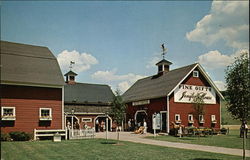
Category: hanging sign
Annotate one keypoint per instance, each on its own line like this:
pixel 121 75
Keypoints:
pixel 156 121
pixel 185 94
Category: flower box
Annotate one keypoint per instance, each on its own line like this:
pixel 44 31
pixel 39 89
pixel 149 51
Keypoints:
pixel 45 118
pixel 8 118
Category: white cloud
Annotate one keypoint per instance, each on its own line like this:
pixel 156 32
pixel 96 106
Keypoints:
pixel 220 85
pixel 122 82
pixel 227 21
pixel 83 61
pixel 215 59
pixel 152 62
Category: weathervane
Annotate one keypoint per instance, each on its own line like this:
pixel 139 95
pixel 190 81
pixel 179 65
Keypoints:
pixel 71 64
pixel 164 50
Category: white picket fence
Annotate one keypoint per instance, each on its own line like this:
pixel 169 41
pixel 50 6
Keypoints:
pixel 82 133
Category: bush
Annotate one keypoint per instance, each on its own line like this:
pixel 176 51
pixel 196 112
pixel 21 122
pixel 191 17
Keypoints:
pixel 20 136
pixel 5 137
pixel 223 131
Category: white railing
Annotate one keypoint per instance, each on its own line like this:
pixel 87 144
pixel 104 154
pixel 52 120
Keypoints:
pixel 82 133
pixel 49 133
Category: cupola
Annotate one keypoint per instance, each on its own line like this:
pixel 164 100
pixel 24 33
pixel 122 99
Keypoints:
pixel 70 77
pixel 163 66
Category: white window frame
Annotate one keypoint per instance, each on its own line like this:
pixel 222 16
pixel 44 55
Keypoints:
pixel 6 117
pixel 86 119
pixel 179 118
pixel 196 74
pixel 49 118
pixel 201 120
pixel 192 118
pixel 213 119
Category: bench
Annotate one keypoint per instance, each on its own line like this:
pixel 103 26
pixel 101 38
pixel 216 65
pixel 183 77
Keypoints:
pixel 49 133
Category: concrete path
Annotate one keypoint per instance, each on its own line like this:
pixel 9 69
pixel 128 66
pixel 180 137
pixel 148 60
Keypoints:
pixel 129 136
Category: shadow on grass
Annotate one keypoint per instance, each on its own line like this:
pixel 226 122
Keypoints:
pixel 108 142
pixel 204 159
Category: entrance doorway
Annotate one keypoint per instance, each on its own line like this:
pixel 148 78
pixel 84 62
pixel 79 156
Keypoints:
pixel 163 121
pixel 102 119
pixel 140 117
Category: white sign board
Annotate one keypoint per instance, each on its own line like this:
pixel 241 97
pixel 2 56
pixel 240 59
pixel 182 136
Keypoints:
pixel 156 121
pixel 185 94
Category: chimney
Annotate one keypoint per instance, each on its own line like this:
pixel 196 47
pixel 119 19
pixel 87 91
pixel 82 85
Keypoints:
pixel 70 77
pixel 163 66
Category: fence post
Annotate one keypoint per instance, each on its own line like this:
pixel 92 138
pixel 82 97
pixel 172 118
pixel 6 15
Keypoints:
pixel 34 134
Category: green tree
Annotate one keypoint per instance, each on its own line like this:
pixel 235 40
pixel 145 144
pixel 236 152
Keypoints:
pixel 198 106
pixel 238 83
pixel 238 97
pixel 118 110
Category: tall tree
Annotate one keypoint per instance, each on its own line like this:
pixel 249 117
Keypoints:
pixel 118 110
pixel 238 83
pixel 238 94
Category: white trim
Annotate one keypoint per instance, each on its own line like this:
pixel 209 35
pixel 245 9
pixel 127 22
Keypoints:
pixel 8 118
pixel 220 112
pixel 85 113
pixel 179 117
pixel 45 118
pixel 168 129
pixel 137 113
pixel 204 74
pixel 201 120
pixel 196 74
pixel 192 119
pixel 103 116
pixel 161 117
pixel 63 118
pixel 30 84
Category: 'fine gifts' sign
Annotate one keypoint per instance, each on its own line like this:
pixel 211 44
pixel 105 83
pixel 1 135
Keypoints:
pixel 186 93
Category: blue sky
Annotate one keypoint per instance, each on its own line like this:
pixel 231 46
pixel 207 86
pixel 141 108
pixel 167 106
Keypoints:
pixel 116 43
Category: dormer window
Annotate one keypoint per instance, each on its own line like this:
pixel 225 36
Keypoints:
pixel 195 74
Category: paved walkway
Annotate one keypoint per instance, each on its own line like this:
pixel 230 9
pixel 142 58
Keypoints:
pixel 129 136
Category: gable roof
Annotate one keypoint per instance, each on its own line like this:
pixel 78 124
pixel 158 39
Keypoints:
pixel 160 86
pixel 70 73
pixel 29 65
pixel 84 93
pixel 164 61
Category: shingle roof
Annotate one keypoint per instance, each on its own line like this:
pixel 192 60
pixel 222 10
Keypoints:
pixel 164 61
pixel 84 93
pixel 28 64
pixel 156 86
pixel 87 108
pixel 70 73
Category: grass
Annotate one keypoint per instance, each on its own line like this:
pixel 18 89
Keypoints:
pixel 226 116
pixel 229 141
pixel 95 149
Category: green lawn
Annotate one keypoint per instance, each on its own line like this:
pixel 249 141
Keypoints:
pixel 230 141
pixel 94 149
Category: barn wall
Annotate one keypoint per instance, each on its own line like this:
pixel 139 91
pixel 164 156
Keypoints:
pixel 27 101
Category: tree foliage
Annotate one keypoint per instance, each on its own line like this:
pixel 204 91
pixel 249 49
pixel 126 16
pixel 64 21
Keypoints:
pixel 198 106
pixel 237 96
pixel 118 108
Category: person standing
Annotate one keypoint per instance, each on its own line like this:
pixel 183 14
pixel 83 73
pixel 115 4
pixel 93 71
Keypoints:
pixel 97 125
pixel 129 125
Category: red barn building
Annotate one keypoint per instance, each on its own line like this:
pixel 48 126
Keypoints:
pixel 86 103
pixel 31 89
pixel 170 93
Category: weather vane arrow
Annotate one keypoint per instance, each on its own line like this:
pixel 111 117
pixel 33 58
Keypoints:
pixel 164 50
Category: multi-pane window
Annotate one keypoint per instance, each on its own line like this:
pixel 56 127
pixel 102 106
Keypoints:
pixel 177 118
pixel 8 113
pixel 213 119
pixel 195 74
pixel 45 114
pixel 201 118
pixel 190 118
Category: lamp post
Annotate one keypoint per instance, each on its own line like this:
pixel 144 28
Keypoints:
pixel 72 123
pixel 106 115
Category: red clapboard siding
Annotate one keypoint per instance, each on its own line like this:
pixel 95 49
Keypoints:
pixel 27 109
